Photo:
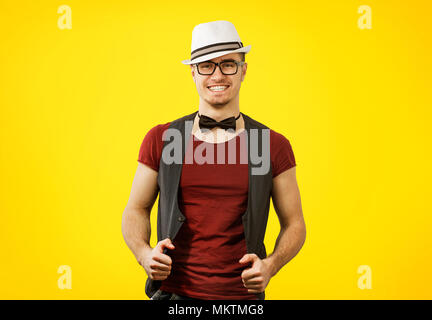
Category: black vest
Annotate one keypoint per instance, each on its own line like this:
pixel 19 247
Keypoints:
pixel 170 218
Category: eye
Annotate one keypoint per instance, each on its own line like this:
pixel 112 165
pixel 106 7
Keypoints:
pixel 205 65
pixel 229 65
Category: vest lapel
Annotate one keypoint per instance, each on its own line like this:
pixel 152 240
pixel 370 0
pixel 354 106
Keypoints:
pixel 259 193
pixel 170 217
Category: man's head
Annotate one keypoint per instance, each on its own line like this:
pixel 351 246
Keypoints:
pixel 207 85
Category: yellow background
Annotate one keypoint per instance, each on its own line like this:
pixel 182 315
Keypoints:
pixel 355 105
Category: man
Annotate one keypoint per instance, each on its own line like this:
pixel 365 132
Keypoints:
pixel 212 216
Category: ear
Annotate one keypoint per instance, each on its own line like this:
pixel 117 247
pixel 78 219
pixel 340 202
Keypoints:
pixel 193 73
pixel 244 68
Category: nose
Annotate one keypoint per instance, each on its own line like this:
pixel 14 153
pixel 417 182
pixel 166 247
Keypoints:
pixel 217 74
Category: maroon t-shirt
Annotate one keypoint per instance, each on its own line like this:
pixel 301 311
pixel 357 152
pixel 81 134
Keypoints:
pixel 213 198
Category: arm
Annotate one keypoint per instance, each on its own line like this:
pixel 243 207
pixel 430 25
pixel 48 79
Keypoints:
pixel 287 204
pixel 136 227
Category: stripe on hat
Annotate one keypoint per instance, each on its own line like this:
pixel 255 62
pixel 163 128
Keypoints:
pixel 215 47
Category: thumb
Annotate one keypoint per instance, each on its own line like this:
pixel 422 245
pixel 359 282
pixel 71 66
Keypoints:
pixel 166 243
pixel 250 257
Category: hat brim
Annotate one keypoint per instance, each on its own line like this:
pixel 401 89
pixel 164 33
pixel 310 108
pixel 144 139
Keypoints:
pixel 216 54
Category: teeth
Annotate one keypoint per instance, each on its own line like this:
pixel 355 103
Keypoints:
pixel 218 88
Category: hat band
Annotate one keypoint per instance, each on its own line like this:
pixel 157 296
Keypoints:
pixel 221 46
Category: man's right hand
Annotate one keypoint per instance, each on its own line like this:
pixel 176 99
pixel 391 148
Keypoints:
pixel 157 264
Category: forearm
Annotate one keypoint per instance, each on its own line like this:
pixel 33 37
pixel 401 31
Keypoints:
pixel 136 230
pixel 288 244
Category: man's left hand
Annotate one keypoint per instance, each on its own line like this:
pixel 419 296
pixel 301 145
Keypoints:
pixel 256 278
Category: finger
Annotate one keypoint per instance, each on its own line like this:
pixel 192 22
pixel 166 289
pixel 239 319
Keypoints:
pixel 160 266
pixel 255 288
pixel 246 258
pixel 163 258
pixel 166 243
pixel 254 281
pixel 157 276
pixel 254 291
pixel 160 277
pixel 250 273
pixel 250 257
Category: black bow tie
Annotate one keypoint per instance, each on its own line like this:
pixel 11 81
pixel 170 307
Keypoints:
pixel 207 122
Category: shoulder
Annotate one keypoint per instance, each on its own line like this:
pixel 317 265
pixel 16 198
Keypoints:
pixel 277 139
pixel 278 142
pixel 153 139
pixel 282 155
pixel 151 146
pixel 156 132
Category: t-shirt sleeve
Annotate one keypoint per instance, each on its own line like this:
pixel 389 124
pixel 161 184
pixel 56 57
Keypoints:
pixel 150 150
pixel 283 155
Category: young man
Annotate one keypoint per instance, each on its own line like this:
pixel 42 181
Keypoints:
pixel 212 214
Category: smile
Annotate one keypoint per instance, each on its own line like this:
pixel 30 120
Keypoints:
pixel 217 88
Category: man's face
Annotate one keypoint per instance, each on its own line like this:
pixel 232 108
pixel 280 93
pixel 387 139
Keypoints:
pixel 232 82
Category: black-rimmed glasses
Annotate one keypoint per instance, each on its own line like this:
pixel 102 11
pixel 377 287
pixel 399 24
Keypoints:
pixel 226 67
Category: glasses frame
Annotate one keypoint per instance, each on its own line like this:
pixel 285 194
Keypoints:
pixel 218 64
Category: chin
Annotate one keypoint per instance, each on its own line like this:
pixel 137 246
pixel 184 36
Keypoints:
pixel 218 104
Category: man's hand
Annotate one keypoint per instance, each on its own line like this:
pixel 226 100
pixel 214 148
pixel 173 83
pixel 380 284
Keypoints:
pixel 157 264
pixel 257 277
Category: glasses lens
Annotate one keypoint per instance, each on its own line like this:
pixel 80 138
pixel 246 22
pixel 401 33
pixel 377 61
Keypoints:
pixel 206 68
pixel 229 67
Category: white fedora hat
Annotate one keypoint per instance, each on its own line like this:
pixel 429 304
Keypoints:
pixel 214 39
